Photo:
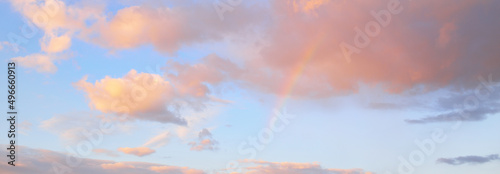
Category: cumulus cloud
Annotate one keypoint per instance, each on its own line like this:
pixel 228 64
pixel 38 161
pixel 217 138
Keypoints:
pixel 205 142
pixel 469 159
pixel 138 95
pixel 401 57
pixel 152 97
pixel 295 168
pixel 421 46
pixel 137 151
pixel 43 161
pixel 443 52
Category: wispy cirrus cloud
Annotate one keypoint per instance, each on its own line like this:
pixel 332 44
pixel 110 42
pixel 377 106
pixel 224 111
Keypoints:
pixel 159 140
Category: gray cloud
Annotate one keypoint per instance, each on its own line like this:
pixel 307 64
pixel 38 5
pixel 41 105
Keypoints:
pixel 469 159
pixel 472 105
pixel 205 142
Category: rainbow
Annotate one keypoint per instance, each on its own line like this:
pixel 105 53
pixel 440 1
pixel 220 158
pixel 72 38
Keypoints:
pixel 296 72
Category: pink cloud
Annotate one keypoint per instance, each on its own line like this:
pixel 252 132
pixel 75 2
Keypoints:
pixel 166 27
pixel 294 168
pixel 402 57
pixel 43 161
pixel 173 169
pixel 424 46
pixel 40 62
pixel 137 151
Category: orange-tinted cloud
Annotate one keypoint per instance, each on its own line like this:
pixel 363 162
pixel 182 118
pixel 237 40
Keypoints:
pixel 56 44
pixel 137 151
pixel 113 166
pixel 138 95
pixel 306 6
pixel 173 169
pixel 148 96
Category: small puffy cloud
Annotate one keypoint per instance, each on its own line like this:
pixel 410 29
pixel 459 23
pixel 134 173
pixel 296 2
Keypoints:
pixel 56 44
pixel 205 142
pixel 106 152
pixel 469 159
pixel 137 151
pixel 114 166
pixel 294 168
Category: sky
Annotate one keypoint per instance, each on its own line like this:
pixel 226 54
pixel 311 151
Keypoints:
pixel 251 87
